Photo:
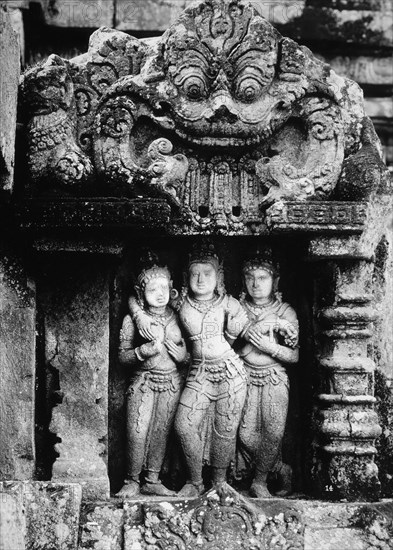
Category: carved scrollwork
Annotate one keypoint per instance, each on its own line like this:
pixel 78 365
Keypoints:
pixel 313 170
pixel 168 172
pixel 220 522
pixel 221 82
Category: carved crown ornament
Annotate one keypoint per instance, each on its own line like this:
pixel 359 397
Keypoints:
pixel 221 116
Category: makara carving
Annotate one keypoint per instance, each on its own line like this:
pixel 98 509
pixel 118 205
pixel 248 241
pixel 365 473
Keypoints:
pixel 222 116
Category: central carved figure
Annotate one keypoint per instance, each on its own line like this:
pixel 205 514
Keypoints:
pixel 211 404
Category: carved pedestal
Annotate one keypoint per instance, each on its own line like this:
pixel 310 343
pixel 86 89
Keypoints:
pixel 346 424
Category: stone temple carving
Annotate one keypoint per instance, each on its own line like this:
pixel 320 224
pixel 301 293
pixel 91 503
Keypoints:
pixel 222 116
pixel 223 128
pixel 271 342
pixel 154 392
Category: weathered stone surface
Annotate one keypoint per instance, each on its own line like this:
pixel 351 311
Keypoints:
pixel 79 13
pixel 230 522
pixel 10 69
pixel 347 526
pixel 52 515
pixel 12 517
pixel 147 14
pixel 102 526
pixel 163 128
pixel 362 26
pixel 379 107
pixel 17 364
pixel 383 356
pixel 333 538
pixel 374 70
pixel 158 15
pixel 39 516
pixel 77 343
pixel 346 426
pixel 94 214
pixel 317 217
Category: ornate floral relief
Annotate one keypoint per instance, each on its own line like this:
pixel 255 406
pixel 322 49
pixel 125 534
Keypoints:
pixel 221 82
pixel 213 522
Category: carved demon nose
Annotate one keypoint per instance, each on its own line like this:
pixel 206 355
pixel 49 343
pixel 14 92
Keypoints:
pixel 222 109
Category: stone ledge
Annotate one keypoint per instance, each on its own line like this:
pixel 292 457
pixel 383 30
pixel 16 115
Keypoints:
pixel 85 214
pixel 39 515
pixel 92 213
pixel 326 217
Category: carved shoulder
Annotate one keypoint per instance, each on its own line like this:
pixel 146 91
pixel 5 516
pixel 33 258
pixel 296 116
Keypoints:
pixel 127 332
pixel 233 306
pixel 287 312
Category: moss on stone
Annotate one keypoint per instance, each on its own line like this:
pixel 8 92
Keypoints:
pixel 384 444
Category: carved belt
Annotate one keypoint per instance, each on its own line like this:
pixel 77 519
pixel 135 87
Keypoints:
pixel 230 367
pixel 161 381
pixel 268 374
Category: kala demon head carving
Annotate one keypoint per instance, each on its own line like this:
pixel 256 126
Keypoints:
pixel 221 115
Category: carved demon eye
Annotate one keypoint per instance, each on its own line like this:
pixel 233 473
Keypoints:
pixel 248 89
pixel 194 87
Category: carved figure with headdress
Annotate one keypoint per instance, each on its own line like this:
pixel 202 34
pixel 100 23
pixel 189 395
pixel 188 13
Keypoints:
pixel 269 344
pixel 211 403
pixel 154 392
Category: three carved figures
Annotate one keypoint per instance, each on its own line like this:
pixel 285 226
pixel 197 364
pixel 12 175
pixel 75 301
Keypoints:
pixel 234 399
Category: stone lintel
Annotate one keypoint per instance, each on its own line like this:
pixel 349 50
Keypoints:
pixel 85 245
pixel 317 217
pixel 346 218
pixel 92 213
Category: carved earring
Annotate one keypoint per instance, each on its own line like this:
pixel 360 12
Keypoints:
pixel 173 294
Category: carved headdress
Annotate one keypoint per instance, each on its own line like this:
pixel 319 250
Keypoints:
pixel 204 253
pixel 261 260
pixel 150 268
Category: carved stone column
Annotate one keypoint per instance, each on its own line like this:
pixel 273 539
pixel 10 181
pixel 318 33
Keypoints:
pixel 346 424
pixel 75 300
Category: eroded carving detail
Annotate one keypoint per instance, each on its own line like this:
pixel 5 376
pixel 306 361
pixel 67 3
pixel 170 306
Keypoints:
pixel 243 117
pixel 228 522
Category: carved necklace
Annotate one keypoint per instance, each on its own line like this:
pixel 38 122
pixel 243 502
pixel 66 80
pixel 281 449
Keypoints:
pixel 161 318
pixel 203 306
pixel 257 309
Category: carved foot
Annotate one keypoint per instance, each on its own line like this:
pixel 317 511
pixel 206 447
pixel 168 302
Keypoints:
pixel 157 489
pixel 223 489
pixel 259 490
pixel 191 490
pixel 285 477
pixel 129 490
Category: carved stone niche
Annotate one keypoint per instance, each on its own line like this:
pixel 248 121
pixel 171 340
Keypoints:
pixel 219 127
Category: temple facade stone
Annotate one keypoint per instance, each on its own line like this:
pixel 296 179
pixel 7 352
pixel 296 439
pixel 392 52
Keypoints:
pixel 245 356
